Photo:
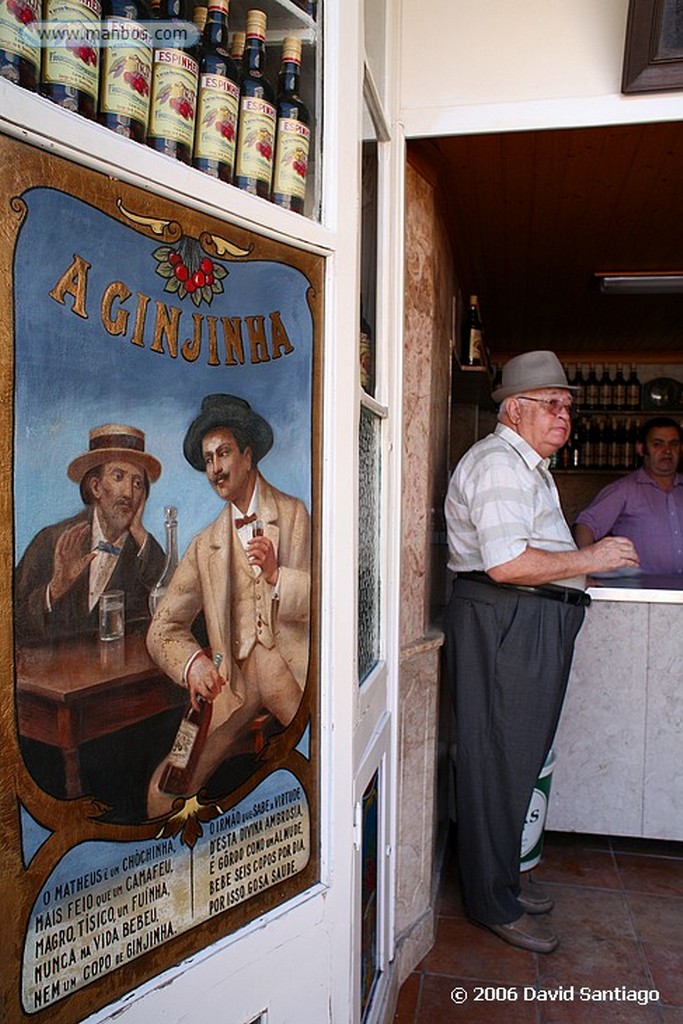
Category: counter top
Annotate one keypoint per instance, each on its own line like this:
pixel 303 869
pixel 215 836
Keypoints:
pixel 637 587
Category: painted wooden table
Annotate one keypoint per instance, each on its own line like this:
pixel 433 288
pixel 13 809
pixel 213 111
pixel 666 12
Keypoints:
pixel 73 691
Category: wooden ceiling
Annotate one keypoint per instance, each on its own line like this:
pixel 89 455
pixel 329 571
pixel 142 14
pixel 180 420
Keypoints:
pixel 533 215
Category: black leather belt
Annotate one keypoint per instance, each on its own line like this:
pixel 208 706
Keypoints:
pixel 567 595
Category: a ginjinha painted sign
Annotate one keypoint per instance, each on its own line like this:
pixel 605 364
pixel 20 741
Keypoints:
pixel 161 738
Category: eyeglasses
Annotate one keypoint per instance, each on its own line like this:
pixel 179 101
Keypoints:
pixel 554 405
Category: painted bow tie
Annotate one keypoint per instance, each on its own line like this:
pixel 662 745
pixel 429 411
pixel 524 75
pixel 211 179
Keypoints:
pixel 244 521
pixel 109 549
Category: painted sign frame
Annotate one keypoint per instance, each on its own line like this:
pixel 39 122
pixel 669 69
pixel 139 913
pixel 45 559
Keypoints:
pixel 98 329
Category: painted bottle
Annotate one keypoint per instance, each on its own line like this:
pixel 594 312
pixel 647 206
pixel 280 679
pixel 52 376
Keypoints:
pixel 171 560
pixel 188 744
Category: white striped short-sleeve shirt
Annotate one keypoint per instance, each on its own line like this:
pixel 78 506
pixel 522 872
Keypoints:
pixel 502 499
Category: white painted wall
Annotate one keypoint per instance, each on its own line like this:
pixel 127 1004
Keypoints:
pixel 501 65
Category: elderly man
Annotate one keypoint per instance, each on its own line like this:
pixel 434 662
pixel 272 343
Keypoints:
pixel 67 566
pixel 249 573
pixel 516 608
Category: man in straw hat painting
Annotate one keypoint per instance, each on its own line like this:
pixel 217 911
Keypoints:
pixel 517 605
pixel 67 566
pixel 249 573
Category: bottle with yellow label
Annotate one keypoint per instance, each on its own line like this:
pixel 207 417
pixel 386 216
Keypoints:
pixel 472 340
pixel 256 134
pixel 71 66
pixel 126 68
pixel 174 88
pixel 293 133
pixel 219 91
pixel 19 45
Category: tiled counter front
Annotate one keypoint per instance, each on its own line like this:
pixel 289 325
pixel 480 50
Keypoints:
pixel 619 746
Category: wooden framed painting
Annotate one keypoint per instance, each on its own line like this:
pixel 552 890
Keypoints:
pixel 161 386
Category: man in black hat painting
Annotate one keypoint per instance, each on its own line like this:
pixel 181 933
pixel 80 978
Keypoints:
pixel 249 573
pixel 517 605
pixel 67 566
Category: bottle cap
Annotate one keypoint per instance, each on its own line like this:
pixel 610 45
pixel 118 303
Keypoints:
pixel 199 16
pixel 220 5
pixel 291 49
pixel 256 24
pixel 237 45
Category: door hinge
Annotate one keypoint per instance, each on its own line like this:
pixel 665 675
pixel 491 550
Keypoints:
pixel 357 826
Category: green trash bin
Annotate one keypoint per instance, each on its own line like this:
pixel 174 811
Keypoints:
pixel 532 835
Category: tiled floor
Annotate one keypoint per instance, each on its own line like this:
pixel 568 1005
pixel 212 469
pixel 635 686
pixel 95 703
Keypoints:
pixel 619 918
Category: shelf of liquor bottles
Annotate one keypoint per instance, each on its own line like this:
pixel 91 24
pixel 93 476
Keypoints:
pixel 611 408
pixel 115 82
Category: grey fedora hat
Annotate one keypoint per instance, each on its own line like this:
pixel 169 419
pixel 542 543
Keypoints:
pixel 530 372
pixel 237 415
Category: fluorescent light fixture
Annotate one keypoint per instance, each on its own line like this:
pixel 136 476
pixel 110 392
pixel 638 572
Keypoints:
pixel 640 283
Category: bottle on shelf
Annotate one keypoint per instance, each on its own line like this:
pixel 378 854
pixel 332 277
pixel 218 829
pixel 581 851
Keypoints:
pixel 580 385
pixel 199 16
pixel 256 132
pixel 472 339
pixel 237 50
pixel 171 560
pixel 126 68
pixel 576 445
pixel 293 132
pixel 592 390
pixel 633 390
pixel 612 460
pixel 309 6
pixel 19 49
pixel 591 444
pixel 603 444
pixel 174 89
pixel 606 396
pixel 619 389
pixel 218 103
pixel 618 459
pixel 187 746
pixel 71 70
pixel 631 453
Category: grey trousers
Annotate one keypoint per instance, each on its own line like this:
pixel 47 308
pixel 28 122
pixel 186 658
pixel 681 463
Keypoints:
pixel 508 657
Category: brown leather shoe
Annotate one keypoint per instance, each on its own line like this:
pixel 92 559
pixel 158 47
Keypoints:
pixel 527 932
pixel 533 898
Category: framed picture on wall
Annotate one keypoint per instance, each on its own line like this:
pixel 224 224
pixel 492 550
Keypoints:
pixel 161 388
pixel 653 54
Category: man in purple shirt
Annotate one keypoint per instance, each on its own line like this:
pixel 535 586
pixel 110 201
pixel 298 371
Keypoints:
pixel 646 506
